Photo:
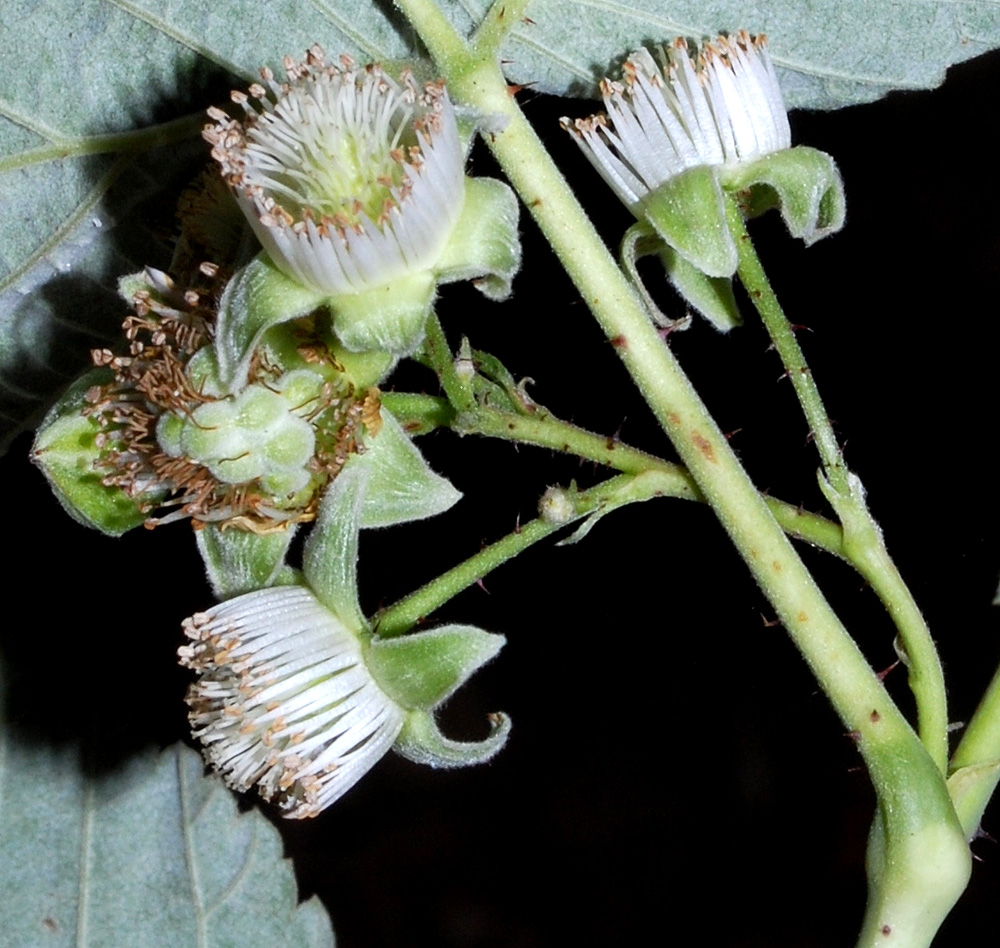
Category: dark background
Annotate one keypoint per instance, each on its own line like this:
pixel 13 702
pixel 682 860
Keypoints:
pixel 672 764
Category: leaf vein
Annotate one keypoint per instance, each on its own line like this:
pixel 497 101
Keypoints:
pixel 85 845
pixel 189 854
pixel 178 36
pixel 340 23
pixel 58 235
pixel 244 870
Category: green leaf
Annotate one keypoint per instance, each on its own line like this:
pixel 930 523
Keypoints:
pixel 484 245
pixel 66 450
pixel 153 854
pixel 688 213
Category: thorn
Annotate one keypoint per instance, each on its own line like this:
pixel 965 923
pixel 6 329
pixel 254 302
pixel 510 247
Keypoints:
pixel 517 525
pixel 854 736
pixel 782 377
pixel 769 623
pixel 885 671
pixel 513 90
pixel 482 586
pixel 795 327
pixel 528 20
pixel 854 770
pixel 731 434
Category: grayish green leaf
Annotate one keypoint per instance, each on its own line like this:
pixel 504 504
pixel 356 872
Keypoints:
pixel 154 854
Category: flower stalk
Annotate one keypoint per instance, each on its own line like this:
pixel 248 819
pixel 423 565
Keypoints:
pixel 863 539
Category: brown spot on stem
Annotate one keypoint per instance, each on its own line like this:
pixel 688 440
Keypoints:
pixel 619 342
pixel 777 566
pixel 875 716
pixel 705 446
pixel 802 617
pixel 674 418
pixel 886 930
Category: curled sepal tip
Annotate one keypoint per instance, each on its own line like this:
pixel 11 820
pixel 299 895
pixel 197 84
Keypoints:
pixel 803 183
pixel 421 741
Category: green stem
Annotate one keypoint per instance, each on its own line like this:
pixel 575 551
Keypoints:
pixel 922 828
pixel 419 414
pixel 136 140
pixel 979 750
pixel 754 279
pixel 838 663
pixel 438 356
pixel 863 540
pixel 403 615
pixel 501 18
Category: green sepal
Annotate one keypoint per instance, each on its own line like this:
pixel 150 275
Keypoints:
pixel 422 670
pixel 401 486
pixel 389 483
pixel 330 556
pixel 390 318
pixel 65 449
pixel 689 213
pixel 712 297
pixel 363 369
pixel 258 297
pixel 802 182
pixel 965 787
pixel 421 741
pixel 240 561
pixel 484 246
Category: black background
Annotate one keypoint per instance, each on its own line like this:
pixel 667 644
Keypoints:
pixel 673 767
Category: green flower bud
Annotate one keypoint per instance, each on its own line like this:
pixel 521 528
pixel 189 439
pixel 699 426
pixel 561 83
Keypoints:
pixel 68 447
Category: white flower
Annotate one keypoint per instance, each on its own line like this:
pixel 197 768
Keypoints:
pixel 721 106
pixel 284 699
pixel 349 179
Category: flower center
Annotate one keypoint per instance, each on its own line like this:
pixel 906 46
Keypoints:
pixel 337 144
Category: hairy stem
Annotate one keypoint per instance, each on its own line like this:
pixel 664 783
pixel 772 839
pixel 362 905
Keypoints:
pixel 626 488
pixel 863 540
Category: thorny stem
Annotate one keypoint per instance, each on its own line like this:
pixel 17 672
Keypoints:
pixel 921 824
pixel 501 18
pixel 408 612
pixel 753 278
pixel 863 539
